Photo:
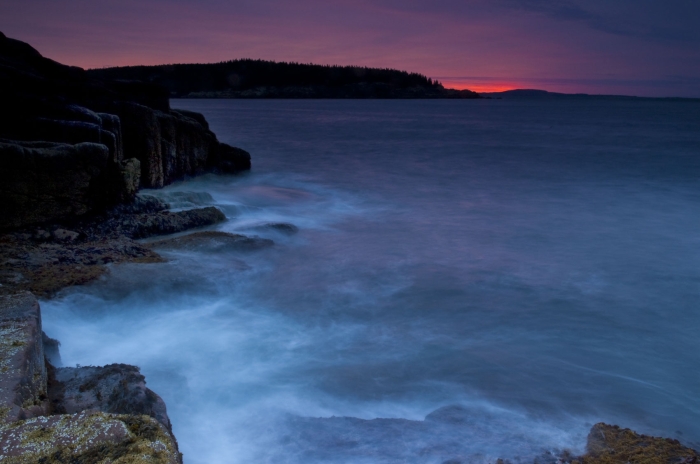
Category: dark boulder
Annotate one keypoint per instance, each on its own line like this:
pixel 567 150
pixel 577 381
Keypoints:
pixel 116 388
pixel 231 159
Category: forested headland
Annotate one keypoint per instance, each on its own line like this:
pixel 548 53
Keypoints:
pixel 248 78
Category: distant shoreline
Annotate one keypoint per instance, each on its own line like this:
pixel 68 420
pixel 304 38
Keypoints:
pixel 269 79
pixel 534 94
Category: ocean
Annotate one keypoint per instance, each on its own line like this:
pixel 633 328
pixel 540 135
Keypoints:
pixel 471 280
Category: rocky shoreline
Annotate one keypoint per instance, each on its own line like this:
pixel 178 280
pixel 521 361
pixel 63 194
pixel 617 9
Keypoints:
pixel 74 152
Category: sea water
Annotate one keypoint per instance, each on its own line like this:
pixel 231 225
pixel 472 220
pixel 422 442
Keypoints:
pixel 471 280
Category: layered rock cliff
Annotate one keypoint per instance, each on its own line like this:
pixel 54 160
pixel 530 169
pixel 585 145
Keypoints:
pixel 72 145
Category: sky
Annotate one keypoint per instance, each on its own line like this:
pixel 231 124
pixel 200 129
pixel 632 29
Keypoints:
pixel 629 47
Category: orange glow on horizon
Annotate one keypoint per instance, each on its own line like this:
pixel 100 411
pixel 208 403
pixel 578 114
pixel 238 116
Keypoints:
pixel 481 88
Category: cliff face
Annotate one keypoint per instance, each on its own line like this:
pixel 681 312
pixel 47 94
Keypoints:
pixel 41 181
pixel 23 383
pixel 100 141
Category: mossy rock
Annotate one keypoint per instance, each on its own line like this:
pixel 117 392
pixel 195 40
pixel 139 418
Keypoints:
pixel 610 444
pixel 88 438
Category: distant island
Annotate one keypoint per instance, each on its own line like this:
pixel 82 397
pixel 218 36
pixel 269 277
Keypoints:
pixel 268 79
pixel 534 94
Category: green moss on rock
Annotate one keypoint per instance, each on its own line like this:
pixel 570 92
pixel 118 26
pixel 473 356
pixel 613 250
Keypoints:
pixel 88 438
pixel 610 444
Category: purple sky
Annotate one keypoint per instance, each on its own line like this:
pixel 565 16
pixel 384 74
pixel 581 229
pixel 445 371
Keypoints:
pixel 633 47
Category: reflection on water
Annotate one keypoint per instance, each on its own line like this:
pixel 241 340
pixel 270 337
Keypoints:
pixel 530 267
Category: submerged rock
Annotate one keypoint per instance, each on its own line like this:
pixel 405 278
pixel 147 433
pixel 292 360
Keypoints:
pixel 178 200
pixel 161 223
pixel 281 227
pixel 453 415
pixel 46 267
pixel 45 261
pixel 231 159
pixel 213 241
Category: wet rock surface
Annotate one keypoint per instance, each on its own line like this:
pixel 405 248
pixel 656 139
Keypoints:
pixel 72 415
pixel 23 378
pixel 185 200
pixel 45 267
pixel 280 227
pixel 231 159
pixel 213 241
pixel 161 223
pixel 45 260
pixel 52 350
pixel 116 388
pixel 441 438
pixel 610 444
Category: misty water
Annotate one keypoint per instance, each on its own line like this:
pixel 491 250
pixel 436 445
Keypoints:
pixel 484 278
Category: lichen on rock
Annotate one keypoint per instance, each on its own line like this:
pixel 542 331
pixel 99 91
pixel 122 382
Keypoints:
pixel 115 388
pixel 611 444
pixel 88 438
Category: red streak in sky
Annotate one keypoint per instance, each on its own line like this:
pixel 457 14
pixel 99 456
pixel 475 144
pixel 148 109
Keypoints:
pixel 482 88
